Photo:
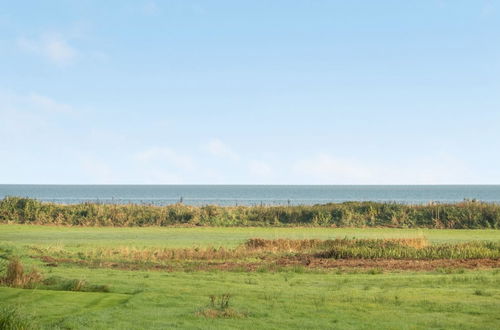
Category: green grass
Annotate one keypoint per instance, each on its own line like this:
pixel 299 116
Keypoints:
pixel 155 300
pixel 13 318
pixel 291 298
pixel 215 236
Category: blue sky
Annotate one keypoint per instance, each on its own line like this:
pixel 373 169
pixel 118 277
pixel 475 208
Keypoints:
pixel 272 92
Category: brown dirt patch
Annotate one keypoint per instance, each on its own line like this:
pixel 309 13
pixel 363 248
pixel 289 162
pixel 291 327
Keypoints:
pixel 391 264
pixel 289 262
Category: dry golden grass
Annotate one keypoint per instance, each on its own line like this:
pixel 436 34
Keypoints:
pixel 299 245
pixel 155 255
pixel 17 277
pixel 282 245
pixel 417 243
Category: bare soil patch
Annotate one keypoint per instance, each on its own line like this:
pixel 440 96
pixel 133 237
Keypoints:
pixel 289 262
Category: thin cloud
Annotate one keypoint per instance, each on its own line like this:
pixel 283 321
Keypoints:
pixel 33 103
pixel 198 9
pixel 151 8
pixel 324 168
pixel 165 155
pixel 218 148
pixel 259 168
pixel 96 170
pixel 53 47
pixel 50 105
pixel 432 169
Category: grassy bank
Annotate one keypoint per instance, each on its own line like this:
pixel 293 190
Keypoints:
pixel 468 214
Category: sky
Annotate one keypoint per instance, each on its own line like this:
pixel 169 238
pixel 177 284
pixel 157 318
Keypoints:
pixel 250 92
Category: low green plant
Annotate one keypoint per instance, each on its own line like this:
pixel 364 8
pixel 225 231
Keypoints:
pixel 219 308
pixel 62 284
pixel 220 301
pixel 479 292
pixel 12 318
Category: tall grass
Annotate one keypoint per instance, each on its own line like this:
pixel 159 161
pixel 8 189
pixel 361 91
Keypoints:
pixel 388 249
pixel 17 277
pixel 467 214
pixel 11 318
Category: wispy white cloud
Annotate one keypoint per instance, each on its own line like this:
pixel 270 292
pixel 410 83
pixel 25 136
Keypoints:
pixel 324 168
pixel 29 112
pixel 164 165
pixel 488 8
pixel 151 8
pixel 259 168
pixel 432 169
pixel 436 168
pixel 96 170
pixel 219 149
pixel 48 104
pixel 53 47
pixel 198 9
pixel 167 156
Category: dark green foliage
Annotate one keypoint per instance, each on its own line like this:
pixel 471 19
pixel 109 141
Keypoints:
pixel 388 249
pixel 62 284
pixel 464 215
pixel 220 302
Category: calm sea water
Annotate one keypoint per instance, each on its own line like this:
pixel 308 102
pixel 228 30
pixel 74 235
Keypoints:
pixel 249 194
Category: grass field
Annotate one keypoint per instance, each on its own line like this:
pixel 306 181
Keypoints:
pixel 215 236
pixel 269 298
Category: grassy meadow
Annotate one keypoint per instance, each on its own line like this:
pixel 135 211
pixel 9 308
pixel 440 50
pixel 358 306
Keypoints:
pixel 176 277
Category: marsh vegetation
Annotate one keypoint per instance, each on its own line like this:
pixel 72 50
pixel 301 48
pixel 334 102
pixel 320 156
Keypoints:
pixel 467 214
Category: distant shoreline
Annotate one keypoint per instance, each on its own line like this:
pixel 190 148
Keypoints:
pixel 252 195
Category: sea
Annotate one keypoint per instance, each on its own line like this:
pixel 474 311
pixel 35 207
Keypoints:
pixel 233 195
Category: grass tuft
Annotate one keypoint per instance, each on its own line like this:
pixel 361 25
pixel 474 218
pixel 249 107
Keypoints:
pixel 478 292
pixel 218 307
pixel 11 318
pixel 17 277
pixel 62 284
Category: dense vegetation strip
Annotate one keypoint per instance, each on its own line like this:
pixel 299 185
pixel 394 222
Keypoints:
pixel 466 214
pixel 260 253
